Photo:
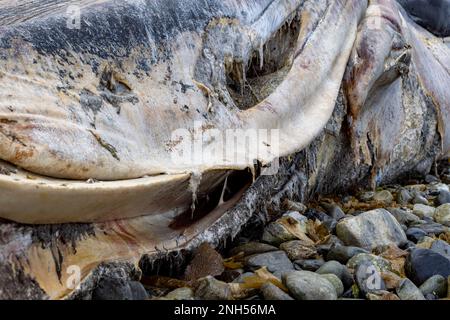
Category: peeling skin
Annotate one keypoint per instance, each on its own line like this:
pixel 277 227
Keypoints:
pixel 52 132
pixel 388 47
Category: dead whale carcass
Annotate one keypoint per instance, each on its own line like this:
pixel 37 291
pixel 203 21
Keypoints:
pixel 105 101
pixel 219 72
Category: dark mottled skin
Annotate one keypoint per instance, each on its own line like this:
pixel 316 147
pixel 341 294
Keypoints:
pixel 433 15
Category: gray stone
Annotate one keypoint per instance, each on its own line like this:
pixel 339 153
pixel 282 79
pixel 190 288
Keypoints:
pixel 415 234
pixel 180 294
pixel 138 291
pixel 296 216
pixel 380 263
pixel 334 211
pixel 297 250
pixel 423 211
pixel 272 292
pixel 436 285
pixel 275 234
pixel 422 264
pixel 404 197
pixel 420 199
pixel 274 261
pixel 308 264
pixel 118 289
pixel 441 247
pixel 343 253
pixel 368 278
pixel 336 282
pixel 443 198
pixel 432 229
pixel 330 224
pixel 341 271
pixel 384 197
pixel 324 248
pixel 252 248
pixel 442 214
pixel 407 290
pixel 210 288
pixel 403 216
pixel 437 188
pixel 306 285
pixel 370 230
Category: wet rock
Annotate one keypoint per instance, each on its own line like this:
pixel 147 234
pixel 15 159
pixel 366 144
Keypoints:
pixel 404 197
pixel 423 211
pixel 297 250
pixel 324 248
pixel 408 246
pixel 336 282
pixel 443 198
pixel 370 230
pixel 306 285
pixel 436 285
pixel 334 211
pixel 275 234
pixel 272 292
pixel 330 224
pixel 407 290
pixel 441 247
pixel 251 248
pixel 415 234
pixel 314 214
pixel 432 229
pixel 391 280
pixel 117 289
pixel 308 264
pixel 296 216
pixel 380 263
pixel 420 199
pixel 211 289
pixel 421 264
pixel 425 243
pixel 368 278
pixel 180 294
pixel 206 261
pixel 138 291
pixel 274 261
pixel 343 253
pixel 442 214
pixel 403 216
pixel 435 189
pixel 294 206
pixel 384 197
pixel 341 271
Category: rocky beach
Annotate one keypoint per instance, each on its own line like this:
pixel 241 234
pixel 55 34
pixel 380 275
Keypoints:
pixel 389 244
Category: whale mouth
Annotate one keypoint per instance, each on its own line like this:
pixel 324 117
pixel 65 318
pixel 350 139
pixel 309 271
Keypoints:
pixel 112 121
pixel 33 169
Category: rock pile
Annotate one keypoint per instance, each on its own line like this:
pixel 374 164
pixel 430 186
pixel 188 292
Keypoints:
pixel 391 244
